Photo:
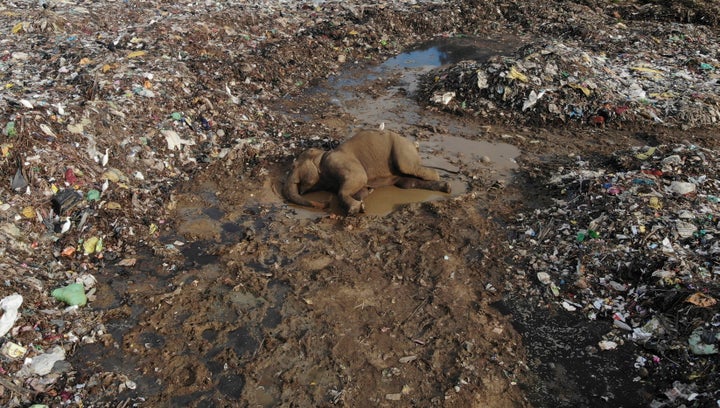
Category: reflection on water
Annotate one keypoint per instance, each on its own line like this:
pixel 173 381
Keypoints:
pixel 445 51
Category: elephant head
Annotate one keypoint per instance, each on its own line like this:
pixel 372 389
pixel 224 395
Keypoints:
pixel 304 177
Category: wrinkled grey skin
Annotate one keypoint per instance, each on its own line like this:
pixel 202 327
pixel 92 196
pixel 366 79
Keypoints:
pixel 370 159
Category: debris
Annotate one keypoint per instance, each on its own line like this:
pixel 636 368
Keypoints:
pixel 557 82
pixel 92 245
pixel 42 364
pixel 407 359
pixel 65 200
pixel 544 278
pixel 184 92
pixel 393 397
pixel 13 350
pixel 9 306
pixel 704 341
pixel 19 181
pixel 701 299
pixel 72 294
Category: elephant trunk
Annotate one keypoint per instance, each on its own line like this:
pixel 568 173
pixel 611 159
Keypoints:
pixel 291 190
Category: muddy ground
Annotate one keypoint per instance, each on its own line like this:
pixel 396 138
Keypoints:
pixel 213 291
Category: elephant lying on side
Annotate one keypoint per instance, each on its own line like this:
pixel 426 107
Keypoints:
pixel 370 159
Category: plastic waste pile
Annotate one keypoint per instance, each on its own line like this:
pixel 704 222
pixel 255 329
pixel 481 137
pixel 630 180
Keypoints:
pixel 671 79
pixel 634 241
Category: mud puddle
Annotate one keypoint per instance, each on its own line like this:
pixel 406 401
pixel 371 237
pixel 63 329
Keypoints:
pixel 459 155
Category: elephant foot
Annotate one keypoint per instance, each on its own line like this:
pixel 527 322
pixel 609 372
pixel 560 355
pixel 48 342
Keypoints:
pixel 320 204
pixel 445 187
pixel 356 207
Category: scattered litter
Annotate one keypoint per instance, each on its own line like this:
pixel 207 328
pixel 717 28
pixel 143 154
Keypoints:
pixel 9 306
pixel 72 294
pixel 43 363
pixel 647 255
pixel 555 82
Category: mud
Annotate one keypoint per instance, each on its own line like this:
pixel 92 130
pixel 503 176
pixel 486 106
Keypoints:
pixel 280 305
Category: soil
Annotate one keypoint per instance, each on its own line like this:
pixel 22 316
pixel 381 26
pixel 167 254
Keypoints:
pixel 240 299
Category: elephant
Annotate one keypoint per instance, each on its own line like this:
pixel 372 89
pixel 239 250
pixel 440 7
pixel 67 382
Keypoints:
pixel 369 159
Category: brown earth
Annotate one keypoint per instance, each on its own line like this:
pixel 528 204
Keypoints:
pixel 242 300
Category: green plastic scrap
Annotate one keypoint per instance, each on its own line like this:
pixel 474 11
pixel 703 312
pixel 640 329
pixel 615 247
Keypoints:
pixel 93 195
pixel 698 345
pixel 9 130
pixel 72 294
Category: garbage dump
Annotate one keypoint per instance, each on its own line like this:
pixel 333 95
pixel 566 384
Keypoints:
pixel 634 240
pixel 109 110
pixel 669 78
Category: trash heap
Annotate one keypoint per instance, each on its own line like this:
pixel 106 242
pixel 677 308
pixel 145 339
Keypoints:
pixel 670 78
pixel 635 241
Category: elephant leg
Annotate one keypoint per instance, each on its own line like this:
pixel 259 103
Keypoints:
pixel 407 160
pixel 412 182
pixel 363 193
pixel 351 193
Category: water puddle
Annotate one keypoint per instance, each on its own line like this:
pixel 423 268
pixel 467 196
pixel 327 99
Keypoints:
pixel 396 107
pixel 447 150
pixel 382 201
pixel 445 153
pixel 458 153
pixel 444 51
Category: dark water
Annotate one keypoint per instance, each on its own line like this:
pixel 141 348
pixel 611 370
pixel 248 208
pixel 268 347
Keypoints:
pixel 445 51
